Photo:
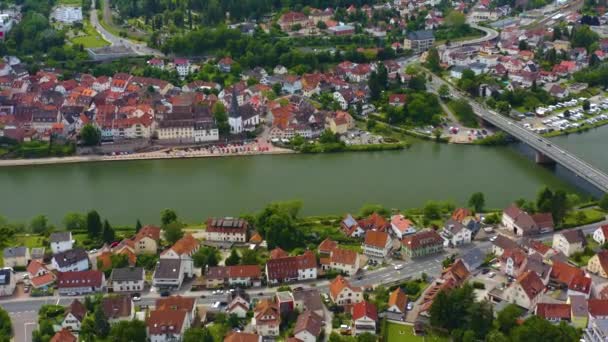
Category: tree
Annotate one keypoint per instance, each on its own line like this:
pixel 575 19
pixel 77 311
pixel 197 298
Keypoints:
pixel 523 45
pixel 108 233
pixel 433 61
pixel 74 221
pixel 506 319
pixel 603 203
pixel 221 117
pixel 102 326
pixel 167 216
pixel 477 201
pixel 206 256
pixel 94 227
pixel 90 135
pixel 173 232
pixel 6 328
pixel 455 19
pixel 444 91
pixel 137 226
pixel 586 105
pixel 432 211
pixel 39 224
pixel 369 209
pixel 249 257
pixel 233 259
pixel 197 335
pixel 538 329
pixel 503 107
pixel 128 331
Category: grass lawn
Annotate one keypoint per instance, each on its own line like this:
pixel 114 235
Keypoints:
pixel 398 333
pixel 29 241
pixel 573 219
pixel 70 2
pixel 92 39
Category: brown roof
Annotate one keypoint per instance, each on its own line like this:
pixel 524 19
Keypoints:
pixel 365 309
pixel 504 242
pixel 398 298
pixel 77 309
pixel 278 253
pixel 531 283
pixel 256 238
pixel 327 245
pixel 287 267
pixel 35 266
pixel 458 272
pixel 460 213
pixel 267 312
pixel 580 283
pixel 538 246
pixel 520 218
pixel 227 225
pixel 176 303
pixel 574 236
pixel 185 245
pixel 241 337
pixel 344 256
pixel 116 306
pixel 564 273
pixel 89 278
pixel 64 335
pixel 602 256
pixel 374 222
pixel 310 322
pixel 162 322
pixel 543 220
pixel 376 238
pixel 152 232
pixel 338 284
pixel 43 280
pixel 598 307
pixel 421 239
pixel 553 311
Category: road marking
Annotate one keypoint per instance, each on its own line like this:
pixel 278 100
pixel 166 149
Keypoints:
pixel 25 329
pixel 58 299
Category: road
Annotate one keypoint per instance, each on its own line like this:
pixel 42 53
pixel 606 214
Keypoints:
pixel 138 48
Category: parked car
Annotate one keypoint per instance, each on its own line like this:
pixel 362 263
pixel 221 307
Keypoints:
pixel 165 293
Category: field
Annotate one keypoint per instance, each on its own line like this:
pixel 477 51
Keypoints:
pixel 574 219
pixel 91 39
pixel 70 2
pixel 399 332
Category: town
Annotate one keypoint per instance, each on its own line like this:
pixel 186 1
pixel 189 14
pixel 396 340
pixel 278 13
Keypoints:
pixel 371 274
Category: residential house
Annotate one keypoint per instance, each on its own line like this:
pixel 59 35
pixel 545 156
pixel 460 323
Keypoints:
pixel 342 292
pixel 72 260
pixel 146 240
pixel 40 276
pixel 600 235
pixel 7 282
pixel 292 268
pixel 308 327
pixel 238 304
pixel 526 290
pixel 74 315
pixel 291 20
pixel 226 229
pixel 365 316
pixel 80 282
pixel 266 318
pixel 127 279
pixel 168 274
pixel 166 325
pixel 396 100
pixel 63 335
pixel 351 227
pixel 597 308
pixel 225 64
pixel 579 314
pixel 183 250
pixel 182 66
pixel 16 256
pixel 118 308
pixel 580 286
pixel 512 261
pixel 419 41
pixel 242 337
pixel 377 244
pixel 455 233
pixel 401 226
pixel 308 299
pixel 397 302
pixel 422 243
pixel 518 221
pixel 598 264
pixel 344 260
pixel 326 246
pixel 61 242
pixel 178 303
pixel 236 275
pixel 554 312
pixel 285 302
pixel 340 122
pixel 569 242
pixel 563 274
pixel 501 244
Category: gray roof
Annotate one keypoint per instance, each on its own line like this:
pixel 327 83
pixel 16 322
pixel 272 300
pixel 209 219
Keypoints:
pixel 579 306
pixel 453 226
pixel 420 35
pixel 5 277
pixel 349 221
pixel 37 253
pixel 311 299
pixel 128 274
pixel 70 257
pixel 167 269
pixel 60 236
pixel 15 252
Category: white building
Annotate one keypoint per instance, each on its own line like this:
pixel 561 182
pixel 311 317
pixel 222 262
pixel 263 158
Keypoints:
pixel 71 261
pixel 7 282
pixel 67 14
pixel 600 235
pixel 127 279
pixel 61 242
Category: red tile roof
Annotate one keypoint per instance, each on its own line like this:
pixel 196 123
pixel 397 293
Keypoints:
pixel 287 267
pixel 564 273
pixel 43 280
pixel 161 322
pixel 580 283
pixel 327 245
pixel 185 245
pixel 398 298
pixel 310 322
pixel 598 307
pixel 553 311
pixel 77 309
pixel 152 232
pixel 344 256
pixel 63 335
pixel 365 309
pixel 115 307
pixel 421 239
pixel 531 284
pixel 278 253
pixel 176 303
pixel 376 238
pixel 35 266
pixel 241 337
pixel 338 284
pixel 79 279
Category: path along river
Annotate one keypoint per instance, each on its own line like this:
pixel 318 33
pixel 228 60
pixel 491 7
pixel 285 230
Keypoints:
pixel 326 183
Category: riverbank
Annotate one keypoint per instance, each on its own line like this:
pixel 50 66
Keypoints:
pixel 581 129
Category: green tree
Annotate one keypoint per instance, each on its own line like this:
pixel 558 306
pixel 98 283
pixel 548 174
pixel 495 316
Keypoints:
pixel 603 203
pixel 90 135
pixel 206 256
pixel 173 232
pixel 39 224
pixel 503 107
pixel 6 328
pixel 197 335
pixel 444 91
pixel 432 210
pixel 108 234
pixel 94 227
pixel 477 201
pixel 233 258
pixel 433 62
pixel 538 329
pixel 74 221
pixel 276 223
pixel 137 226
pixel 455 19
pixel 506 319
pixel 128 331
pixel 102 326
pixel 249 257
pixel 167 216
pixel 221 117
pixel 368 209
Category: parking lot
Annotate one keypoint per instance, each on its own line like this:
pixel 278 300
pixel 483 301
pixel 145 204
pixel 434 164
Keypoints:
pixel 566 115
pixel 360 137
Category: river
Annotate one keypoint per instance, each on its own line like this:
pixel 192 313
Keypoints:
pixel 326 183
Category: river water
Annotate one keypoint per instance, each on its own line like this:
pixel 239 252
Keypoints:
pixel 326 183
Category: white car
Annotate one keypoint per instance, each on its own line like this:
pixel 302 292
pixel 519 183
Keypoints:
pixel 398 267
pixel 493 238
pixel 136 298
pixel 410 306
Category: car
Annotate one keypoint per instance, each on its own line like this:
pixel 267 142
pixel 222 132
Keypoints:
pixel 26 276
pixel 410 306
pixel 493 238
pixel 136 298
pixel 260 294
pixel 72 293
pixel 485 271
pixel 216 305
pixel 491 275
pixel 398 267
pixel 203 296
pixel 165 293
pixel 93 251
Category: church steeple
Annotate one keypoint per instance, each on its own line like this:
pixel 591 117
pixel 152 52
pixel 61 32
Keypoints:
pixel 234 104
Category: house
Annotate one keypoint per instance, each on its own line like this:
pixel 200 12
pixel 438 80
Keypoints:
pixel 342 293
pixel 71 260
pixel 63 335
pixel 419 41
pixel 397 302
pixel 16 256
pixel 580 285
pixel 80 282
pixel 326 246
pixel 182 66
pixel 377 244
pixel 579 314
pixel 501 244
pixel 74 316
pixel 61 242
pixel 285 302
pixel 226 229
pixel 183 250
pixel 238 304
pixel 266 318
pixel 146 240
pixel 40 276
pixel 569 242
pixel 456 233
pixel 7 282
pixel 118 308
pixel 400 226
pixel 291 20
pixel 563 274
pixel 598 264
pixel 292 268
pixel 168 274
pixel 518 221
pixel 396 100
pixel 512 261
pixel 422 243
pixel 526 290
pixel 127 279
pixel 344 260
pixel 365 316
pixel 600 234
pixel 236 275
pixel 340 122
pixel 178 303
pixel 553 312
pixel 351 227
pixel 559 91
pixel 308 327
pixel 308 299
pixel 166 325
pixel 225 64
pixel 242 337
